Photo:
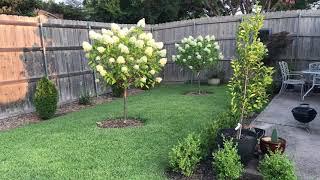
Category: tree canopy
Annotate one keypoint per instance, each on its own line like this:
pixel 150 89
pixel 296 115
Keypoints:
pixel 154 11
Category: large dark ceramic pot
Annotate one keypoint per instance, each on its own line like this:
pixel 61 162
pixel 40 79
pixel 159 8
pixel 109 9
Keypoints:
pixel 246 144
pixel 304 113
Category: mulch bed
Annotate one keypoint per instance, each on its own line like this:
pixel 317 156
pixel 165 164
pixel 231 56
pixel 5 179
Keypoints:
pixel 28 118
pixel 119 123
pixel 196 93
pixel 205 171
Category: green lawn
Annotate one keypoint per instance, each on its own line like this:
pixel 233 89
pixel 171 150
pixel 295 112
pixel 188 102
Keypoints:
pixel 72 147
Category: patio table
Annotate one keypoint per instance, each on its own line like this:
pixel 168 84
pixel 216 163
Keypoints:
pixel 314 74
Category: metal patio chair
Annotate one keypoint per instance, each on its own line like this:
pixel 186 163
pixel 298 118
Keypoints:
pixel 290 78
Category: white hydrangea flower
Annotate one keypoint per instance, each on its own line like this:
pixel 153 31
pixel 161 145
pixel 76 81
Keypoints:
pixel 177 45
pixel 101 49
pixel 144 59
pixel 209 46
pixel 124 69
pixel 207 50
pixel 86 46
pixel 180 49
pixel 136 67
pixel 199 44
pixel 107 39
pixel 198 57
pixel 163 53
pixel 184 60
pixel 178 56
pixel 212 37
pixel 143 79
pixel 184 40
pixel 120 60
pixel 151 43
pixel 139 44
pixel 92 35
pixel 149 36
pixel 189 57
pixel 208 38
pixel 142 36
pixel 115 27
pixel 97 80
pixel 112 60
pixel 190 67
pixel 99 68
pixel 123 48
pixel 221 56
pixel 141 23
pixel 163 61
pixel 152 71
pixel 174 58
pixel 106 32
pixel 159 45
pixel 98 58
pixel 187 46
pixel 200 38
pixel 115 39
pixel 87 55
pixel 210 59
pixel 149 51
pixel 158 79
pixel 132 40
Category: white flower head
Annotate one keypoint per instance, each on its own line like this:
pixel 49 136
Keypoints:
pixel 97 80
pixel 221 56
pixel 208 38
pixel 143 79
pixel 200 38
pixel 132 40
pixel 115 27
pixel 141 23
pixel 187 46
pixel 106 32
pixel 124 69
pixel 115 39
pixel 177 45
pixel 144 59
pixel 86 46
pixel 101 49
pixel 120 60
pixel 190 67
pixel 184 60
pixel 159 45
pixel 174 58
pixel 87 55
pixel 189 57
pixel 163 61
pixel 198 57
pixel 152 71
pixel 158 79
pixel 149 36
pixel 98 58
pixel 92 35
pixel 210 59
pixel 139 43
pixel 112 60
pixel 212 37
pixel 149 51
pixel 163 53
pixel 136 67
pixel 107 39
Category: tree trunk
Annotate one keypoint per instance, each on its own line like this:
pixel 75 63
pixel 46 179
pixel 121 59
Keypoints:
pixel 199 91
pixel 125 109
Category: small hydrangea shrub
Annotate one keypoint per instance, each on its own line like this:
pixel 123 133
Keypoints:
pixel 198 54
pixel 277 166
pixel 185 156
pixel 227 162
pixel 126 57
pixel 45 98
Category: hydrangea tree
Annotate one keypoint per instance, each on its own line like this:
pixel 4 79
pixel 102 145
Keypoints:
pixel 127 57
pixel 250 76
pixel 198 54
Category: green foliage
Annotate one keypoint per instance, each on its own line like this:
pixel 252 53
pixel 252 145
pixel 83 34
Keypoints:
pixel 117 91
pixel 250 77
pixel 185 156
pixel 277 166
pixel 45 98
pixel 84 99
pixel 220 121
pixel 227 162
pixel 19 7
pixel 274 136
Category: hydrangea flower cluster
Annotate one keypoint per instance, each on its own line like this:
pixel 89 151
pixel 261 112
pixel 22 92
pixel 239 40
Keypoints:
pixel 126 56
pixel 198 53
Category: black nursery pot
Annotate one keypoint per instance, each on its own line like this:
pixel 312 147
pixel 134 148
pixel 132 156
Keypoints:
pixel 246 144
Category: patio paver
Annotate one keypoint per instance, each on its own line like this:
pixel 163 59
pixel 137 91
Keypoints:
pixel 302 147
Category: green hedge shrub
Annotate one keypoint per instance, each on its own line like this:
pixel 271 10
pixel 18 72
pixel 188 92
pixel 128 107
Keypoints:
pixel 84 99
pixel 227 162
pixel 185 156
pixel 45 98
pixel 277 166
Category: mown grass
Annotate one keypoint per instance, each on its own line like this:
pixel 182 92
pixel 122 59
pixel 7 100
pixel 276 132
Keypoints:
pixel 72 147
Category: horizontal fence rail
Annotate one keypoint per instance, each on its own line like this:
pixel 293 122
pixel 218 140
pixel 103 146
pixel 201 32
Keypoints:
pixel 31 48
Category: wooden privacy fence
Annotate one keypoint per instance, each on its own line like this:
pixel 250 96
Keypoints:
pixel 31 48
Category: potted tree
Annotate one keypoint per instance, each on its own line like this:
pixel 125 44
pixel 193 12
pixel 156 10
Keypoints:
pixel 249 82
pixel 126 57
pixel 273 143
pixel 197 54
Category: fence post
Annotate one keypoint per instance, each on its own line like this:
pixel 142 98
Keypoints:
pixel 94 72
pixel 297 39
pixel 43 47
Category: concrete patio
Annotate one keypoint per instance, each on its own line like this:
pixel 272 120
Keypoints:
pixel 302 147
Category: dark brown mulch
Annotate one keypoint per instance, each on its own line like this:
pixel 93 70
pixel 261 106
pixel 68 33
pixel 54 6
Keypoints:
pixel 196 93
pixel 205 171
pixel 119 123
pixel 28 118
